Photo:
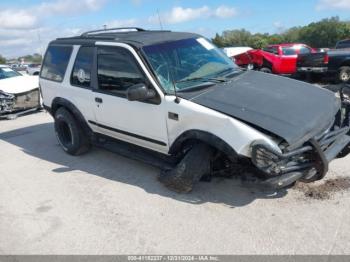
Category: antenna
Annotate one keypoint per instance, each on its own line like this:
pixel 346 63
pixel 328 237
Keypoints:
pixel 160 21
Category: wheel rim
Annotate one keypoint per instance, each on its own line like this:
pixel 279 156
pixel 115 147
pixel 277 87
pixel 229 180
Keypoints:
pixel 344 76
pixel 64 133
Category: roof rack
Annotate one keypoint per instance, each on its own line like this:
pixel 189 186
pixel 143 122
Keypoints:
pixel 112 29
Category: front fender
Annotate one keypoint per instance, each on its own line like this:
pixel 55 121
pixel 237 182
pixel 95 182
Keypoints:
pixel 204 137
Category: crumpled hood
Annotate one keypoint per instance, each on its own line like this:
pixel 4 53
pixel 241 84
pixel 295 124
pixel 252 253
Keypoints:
pixel 19 84
pixel 291 109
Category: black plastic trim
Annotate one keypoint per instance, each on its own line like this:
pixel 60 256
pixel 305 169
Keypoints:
pixel 128 133
pixel 204 137
pixel 59 101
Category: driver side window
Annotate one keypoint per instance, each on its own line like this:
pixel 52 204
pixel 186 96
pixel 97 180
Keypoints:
pixel 117 70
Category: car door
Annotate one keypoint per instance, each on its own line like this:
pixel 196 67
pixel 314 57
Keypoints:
pixel 141 123
pixel 288 60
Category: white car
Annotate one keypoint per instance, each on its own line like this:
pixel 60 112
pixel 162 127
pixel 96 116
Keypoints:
pixel 18 93
pixel 33 69
pixel 175 97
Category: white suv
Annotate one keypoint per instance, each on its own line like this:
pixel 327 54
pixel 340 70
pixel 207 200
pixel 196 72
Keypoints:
pixel 175 97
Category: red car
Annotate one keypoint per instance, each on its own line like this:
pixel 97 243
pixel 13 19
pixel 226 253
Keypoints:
pixel 277 59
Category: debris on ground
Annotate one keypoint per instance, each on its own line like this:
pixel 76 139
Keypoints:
pixel 324 189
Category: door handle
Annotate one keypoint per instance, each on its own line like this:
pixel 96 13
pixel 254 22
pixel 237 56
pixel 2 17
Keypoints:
pixel 98 100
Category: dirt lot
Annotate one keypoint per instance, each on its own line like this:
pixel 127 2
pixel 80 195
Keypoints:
pixel 102 203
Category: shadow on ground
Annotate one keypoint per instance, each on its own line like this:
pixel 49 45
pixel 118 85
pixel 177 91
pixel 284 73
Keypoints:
pixel 40 142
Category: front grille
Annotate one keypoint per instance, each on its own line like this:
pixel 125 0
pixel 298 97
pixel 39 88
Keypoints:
pixel 313 156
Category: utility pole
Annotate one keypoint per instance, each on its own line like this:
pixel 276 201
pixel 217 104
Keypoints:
pixel 160 21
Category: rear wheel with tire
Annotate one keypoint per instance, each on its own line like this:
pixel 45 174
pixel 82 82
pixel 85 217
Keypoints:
pixel 193 166
pixel 344 74
pixel 266 70
pixel 69 133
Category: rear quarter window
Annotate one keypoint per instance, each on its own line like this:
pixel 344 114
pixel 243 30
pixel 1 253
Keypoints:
pixel 81 74
pixel 304 50
pixel 55 62
pixel 343 44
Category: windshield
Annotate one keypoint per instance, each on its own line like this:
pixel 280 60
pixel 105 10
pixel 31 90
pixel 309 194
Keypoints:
pixel 187 62
pixel 6 72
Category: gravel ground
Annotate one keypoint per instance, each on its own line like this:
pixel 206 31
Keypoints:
pixel 102 203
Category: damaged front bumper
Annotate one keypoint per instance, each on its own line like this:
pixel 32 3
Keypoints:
pixel 307 163
pixel 15 103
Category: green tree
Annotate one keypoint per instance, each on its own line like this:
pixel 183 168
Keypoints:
pixel 218 40
pixel 292 35
pixel 275 39
pixel 35 58
pixel 324 33
pixel 236 37
pixel 258 42
pixel 2 60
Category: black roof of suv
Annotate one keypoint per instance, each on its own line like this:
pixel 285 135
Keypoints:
pixel 130 35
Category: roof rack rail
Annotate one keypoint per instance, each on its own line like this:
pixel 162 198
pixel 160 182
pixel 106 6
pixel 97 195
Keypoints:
pixel 112 29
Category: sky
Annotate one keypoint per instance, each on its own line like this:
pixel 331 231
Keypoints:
pixel 26 26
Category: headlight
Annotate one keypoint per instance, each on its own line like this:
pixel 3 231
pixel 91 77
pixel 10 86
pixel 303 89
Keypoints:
pixel 265 159
pixel 273 162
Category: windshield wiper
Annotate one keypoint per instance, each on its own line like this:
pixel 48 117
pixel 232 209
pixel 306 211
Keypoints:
pixel 202 79
pixel 227 70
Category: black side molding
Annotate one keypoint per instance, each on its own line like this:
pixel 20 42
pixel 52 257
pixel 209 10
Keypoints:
pixel 128 133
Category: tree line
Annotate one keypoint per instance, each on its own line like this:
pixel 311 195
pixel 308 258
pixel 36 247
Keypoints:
pixel 2 60
pixel 35 58
pixel 324 33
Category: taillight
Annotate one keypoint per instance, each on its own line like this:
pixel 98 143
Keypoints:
pixel 326 59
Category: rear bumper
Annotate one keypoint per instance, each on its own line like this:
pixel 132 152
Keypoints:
pixel 308 163
pixel 312 69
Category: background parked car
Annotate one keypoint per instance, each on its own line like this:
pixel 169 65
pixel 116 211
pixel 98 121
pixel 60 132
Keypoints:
pixel 33 69
pixel 19 67
pixel 277 59
pixel 335 63
pixel 18 92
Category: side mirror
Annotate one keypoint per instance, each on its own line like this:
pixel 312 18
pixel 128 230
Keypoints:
pixel 140 92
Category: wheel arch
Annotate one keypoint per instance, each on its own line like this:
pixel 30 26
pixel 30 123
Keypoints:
pixel 345 63
pixel 267 63
pixel 62 102
pixel 204 137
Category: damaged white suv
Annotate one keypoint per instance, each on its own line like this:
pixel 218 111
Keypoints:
pixel 176 99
